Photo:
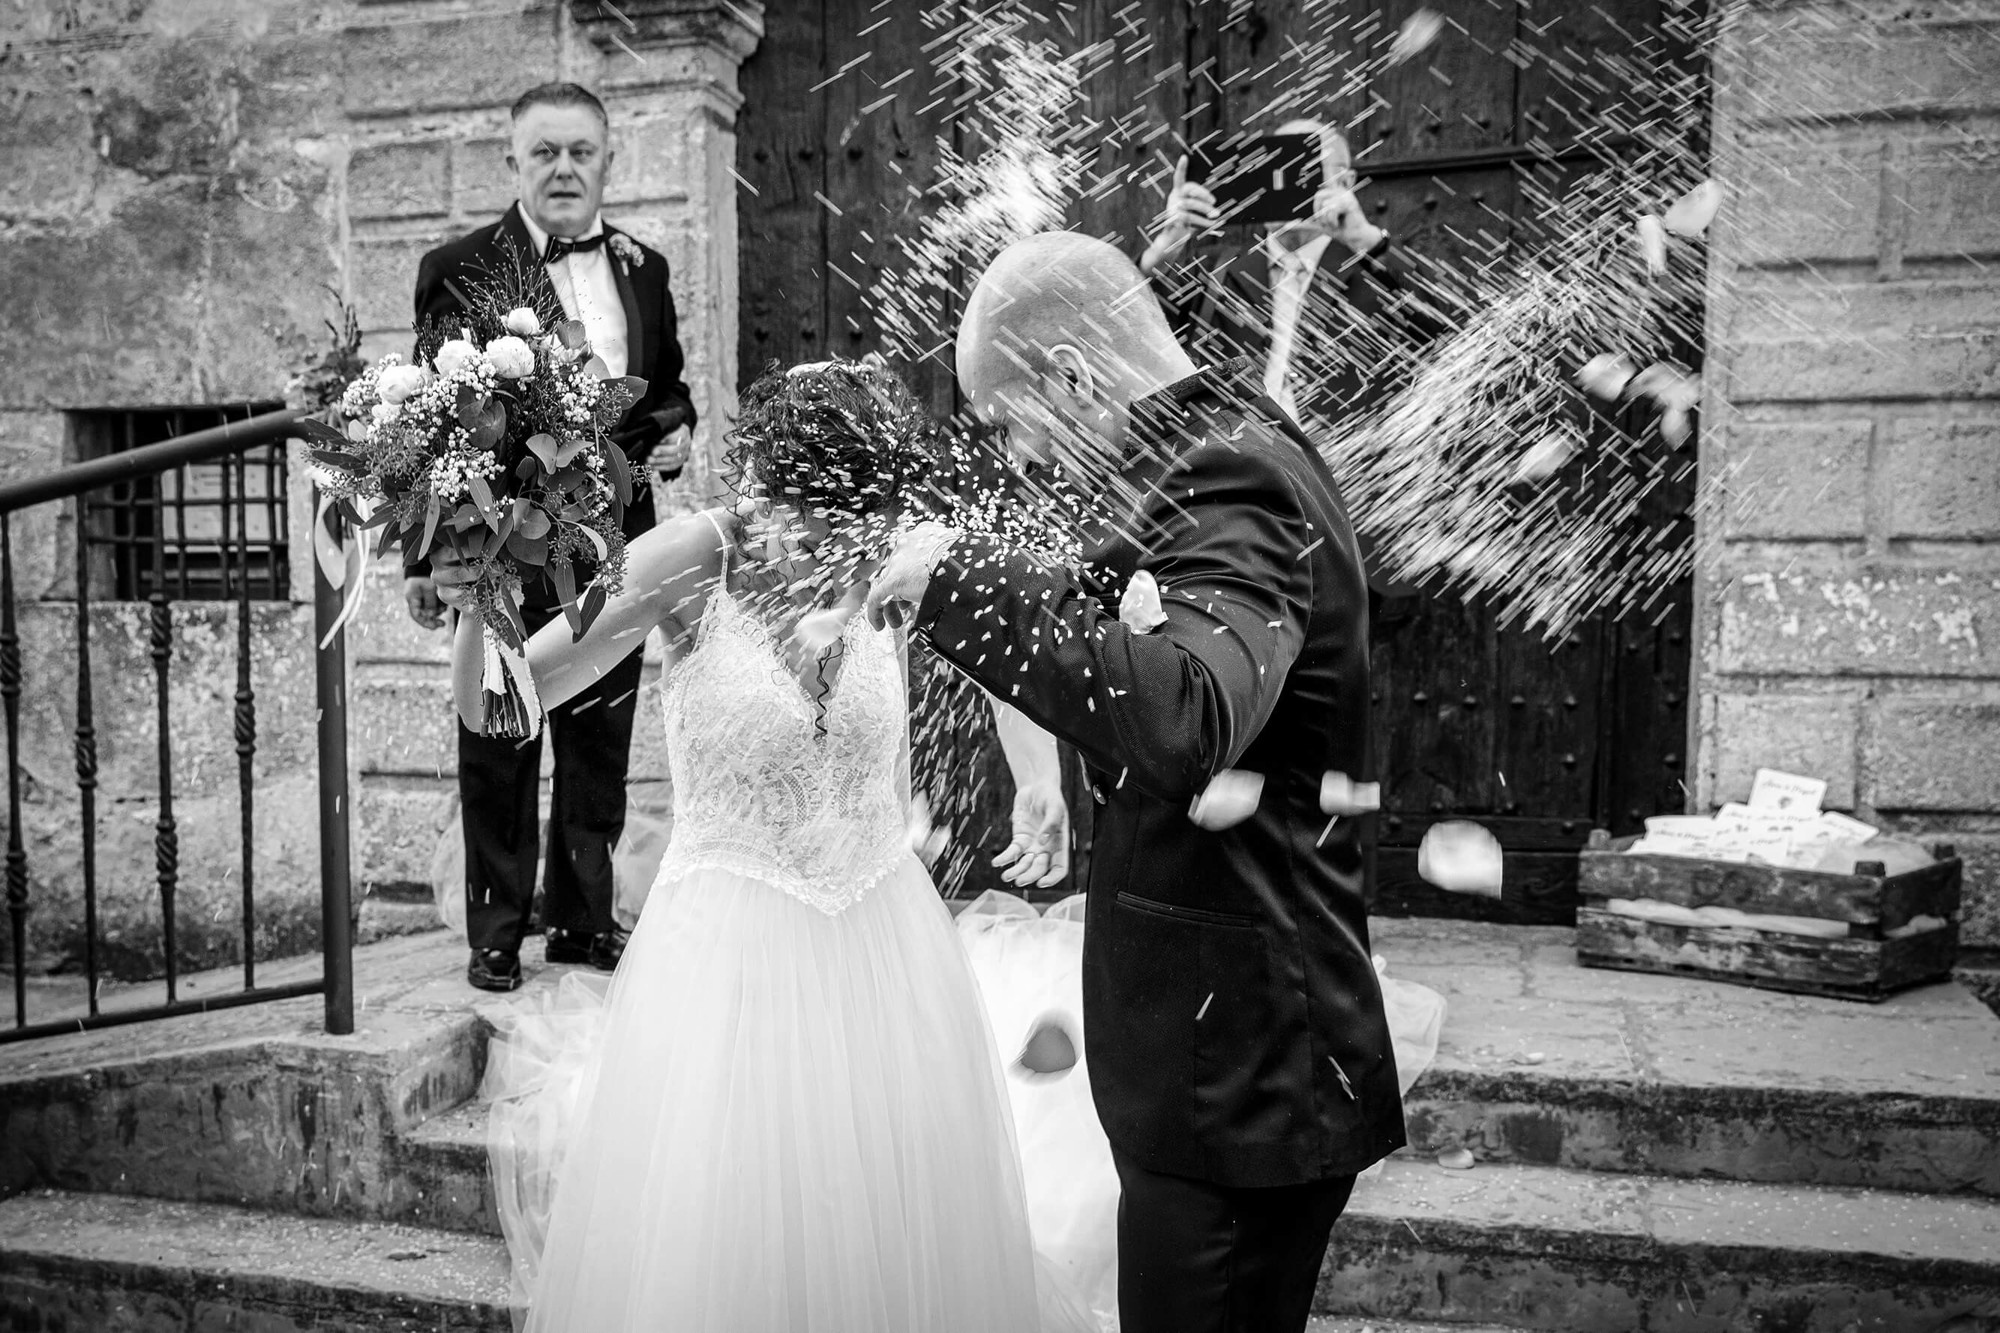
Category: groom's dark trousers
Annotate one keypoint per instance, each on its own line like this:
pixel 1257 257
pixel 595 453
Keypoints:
pixel 1239 1055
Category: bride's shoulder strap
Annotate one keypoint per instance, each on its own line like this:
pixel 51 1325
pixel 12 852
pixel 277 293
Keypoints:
pixel 723 538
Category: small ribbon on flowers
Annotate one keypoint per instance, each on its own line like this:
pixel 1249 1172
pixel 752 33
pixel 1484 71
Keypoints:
pixel 341 561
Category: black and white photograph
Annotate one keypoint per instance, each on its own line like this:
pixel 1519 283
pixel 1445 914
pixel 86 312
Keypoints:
pixel 1000 666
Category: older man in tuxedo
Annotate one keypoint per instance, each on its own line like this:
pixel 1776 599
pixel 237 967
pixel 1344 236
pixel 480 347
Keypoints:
pixel 560 155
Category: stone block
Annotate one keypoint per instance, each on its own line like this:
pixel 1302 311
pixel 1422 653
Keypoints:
pixel 201 678
pixel 1798 479
pixel 1832 620
pixel 1951 196
pixel 382 631
pixel 397 826
pixel 107 316
pixel 1814 734
pixel 399 180
pixel 1979 910
pixel 1927 753
pixel 51 159
pixel 1825 205
pixel 1941 479
pixel 655 156
pixel 482 185
pixel 208 896
pixel 32 444
pixel 477 60
pixel 382 280
pixel 1807 339
pixel 1814 61
pixel 402 722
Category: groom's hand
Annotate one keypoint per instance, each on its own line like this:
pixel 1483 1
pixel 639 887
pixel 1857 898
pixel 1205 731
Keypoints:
pixel 1038 856
pixel 900 584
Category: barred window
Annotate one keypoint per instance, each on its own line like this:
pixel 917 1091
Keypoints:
pixel 194 532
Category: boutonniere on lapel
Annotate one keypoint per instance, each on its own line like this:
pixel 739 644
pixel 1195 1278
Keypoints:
pixel 627 250
pixel 1139 608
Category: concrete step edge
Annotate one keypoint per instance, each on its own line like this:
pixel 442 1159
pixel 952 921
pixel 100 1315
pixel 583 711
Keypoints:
pixel 1552 1212
pixel 85 1242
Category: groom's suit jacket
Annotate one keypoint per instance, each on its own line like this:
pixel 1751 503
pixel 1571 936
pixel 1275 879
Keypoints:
pixel 1232 1015
pixel 652 338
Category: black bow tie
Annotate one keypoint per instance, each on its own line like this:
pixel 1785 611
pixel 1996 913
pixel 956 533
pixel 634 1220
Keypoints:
pixel 561 247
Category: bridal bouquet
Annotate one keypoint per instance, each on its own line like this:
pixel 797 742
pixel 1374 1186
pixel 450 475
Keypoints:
pixel 493 443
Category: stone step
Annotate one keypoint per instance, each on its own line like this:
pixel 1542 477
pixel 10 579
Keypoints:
pixel 1507 1249
pixel 1550 1249
pixel 76 1262
pixel 1543 1062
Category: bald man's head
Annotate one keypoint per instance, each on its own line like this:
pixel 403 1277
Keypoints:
pixel 1060 336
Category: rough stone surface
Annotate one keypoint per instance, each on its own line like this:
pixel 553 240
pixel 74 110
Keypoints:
pixel 1795 733
pixel 394 180
pixel 1809 339
pixel 1799 479
pixel 1936 754
pixel 82 1262
pixel 396 68
pixel 1811 617
pixel 1941 479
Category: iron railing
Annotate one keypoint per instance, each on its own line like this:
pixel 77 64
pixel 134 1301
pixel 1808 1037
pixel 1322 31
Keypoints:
pixel 227 443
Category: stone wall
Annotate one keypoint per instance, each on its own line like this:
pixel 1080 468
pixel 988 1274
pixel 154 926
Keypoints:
pixel 1850 621
pixel 185 183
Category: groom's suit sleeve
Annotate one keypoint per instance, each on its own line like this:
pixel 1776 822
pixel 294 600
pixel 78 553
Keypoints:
pixel 1166 709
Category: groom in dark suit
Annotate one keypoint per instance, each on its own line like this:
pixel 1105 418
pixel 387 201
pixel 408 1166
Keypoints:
pixel 1239 1053
pixel 618 289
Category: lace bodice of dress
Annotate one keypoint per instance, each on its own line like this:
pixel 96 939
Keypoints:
pixel 760 789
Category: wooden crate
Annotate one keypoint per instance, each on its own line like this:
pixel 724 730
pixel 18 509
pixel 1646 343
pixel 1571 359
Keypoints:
pixel 1866 965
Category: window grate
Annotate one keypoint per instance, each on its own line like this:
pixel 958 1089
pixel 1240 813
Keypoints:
pixel 195 532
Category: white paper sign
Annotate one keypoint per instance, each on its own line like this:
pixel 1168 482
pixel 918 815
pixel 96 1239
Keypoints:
pixel 1786 793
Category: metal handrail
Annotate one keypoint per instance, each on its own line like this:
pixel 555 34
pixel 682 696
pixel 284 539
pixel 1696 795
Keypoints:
pixel 201 446
pixel 330 659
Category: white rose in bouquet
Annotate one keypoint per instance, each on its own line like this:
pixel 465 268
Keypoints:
pixel 384 413
pixel 454 356
pixel 512 359
pixel 399 382
pixel 523 321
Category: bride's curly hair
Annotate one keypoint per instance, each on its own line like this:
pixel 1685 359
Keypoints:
pixel 845 436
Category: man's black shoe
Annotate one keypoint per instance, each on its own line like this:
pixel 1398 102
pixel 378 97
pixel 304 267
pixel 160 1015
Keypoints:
pixel 569 946
pixel 494 969
pixel 608 948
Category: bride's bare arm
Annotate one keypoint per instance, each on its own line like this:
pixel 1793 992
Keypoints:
pixel 668 571
pixel 1039 852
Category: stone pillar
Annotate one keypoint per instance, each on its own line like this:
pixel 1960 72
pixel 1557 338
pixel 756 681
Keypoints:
pixel 425 150
pixel 667 72
pixel 1849 624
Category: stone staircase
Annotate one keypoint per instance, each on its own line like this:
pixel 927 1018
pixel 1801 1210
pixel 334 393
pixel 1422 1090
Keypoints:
pixel 1651 1154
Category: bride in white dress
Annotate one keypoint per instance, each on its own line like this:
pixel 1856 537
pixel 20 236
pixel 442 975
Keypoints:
pixel 786 1112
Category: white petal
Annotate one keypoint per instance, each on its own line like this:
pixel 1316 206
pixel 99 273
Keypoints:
pixel 1653 244
pixel 1461 857
pixel 1230 798
pixel 1693 211
pixel 1342 795
pixel 1605 376
pixel 1546 456
pixel 1419 30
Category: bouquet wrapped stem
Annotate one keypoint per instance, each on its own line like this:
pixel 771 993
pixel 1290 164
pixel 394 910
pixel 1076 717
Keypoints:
pixel 510 706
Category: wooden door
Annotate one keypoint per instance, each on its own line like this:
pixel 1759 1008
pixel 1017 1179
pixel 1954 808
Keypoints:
pixel 845 116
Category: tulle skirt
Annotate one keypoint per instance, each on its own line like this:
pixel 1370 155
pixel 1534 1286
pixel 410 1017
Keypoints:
pixel 771 1120
pixel 1030 972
